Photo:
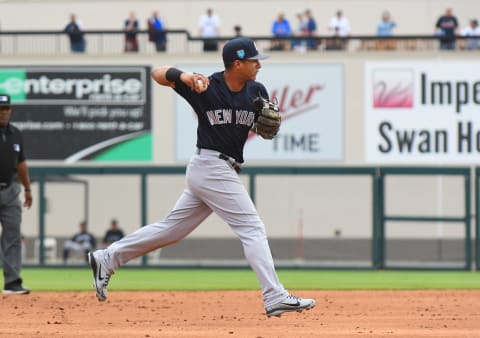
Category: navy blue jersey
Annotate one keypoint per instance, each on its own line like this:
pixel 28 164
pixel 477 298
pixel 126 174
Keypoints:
pixel 224 117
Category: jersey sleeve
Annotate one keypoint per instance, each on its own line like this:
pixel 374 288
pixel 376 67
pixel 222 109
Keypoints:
pixel 192 97
pixel 181 88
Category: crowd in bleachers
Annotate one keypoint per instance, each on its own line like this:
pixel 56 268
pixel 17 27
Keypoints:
pixel 300 35
pixel 446 28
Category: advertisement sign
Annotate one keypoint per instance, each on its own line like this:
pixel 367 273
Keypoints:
pixel 75 113
pixel 422 112
pixel 310 98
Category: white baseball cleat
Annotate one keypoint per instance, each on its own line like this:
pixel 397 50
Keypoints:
pixel 289 304
pixel 101 276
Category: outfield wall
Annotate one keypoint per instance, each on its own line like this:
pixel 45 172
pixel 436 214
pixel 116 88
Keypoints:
pixel 324 207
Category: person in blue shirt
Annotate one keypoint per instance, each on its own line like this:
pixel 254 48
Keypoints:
pixel 281 29
pixel 311 28
pixel 223 103
pixel 385 29
pixel 386 25
pixel 157 33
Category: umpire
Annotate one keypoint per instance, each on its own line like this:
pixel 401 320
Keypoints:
pixel 13 168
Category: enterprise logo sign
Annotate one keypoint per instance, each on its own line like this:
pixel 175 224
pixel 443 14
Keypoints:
pixel 393 88
pixel 75 85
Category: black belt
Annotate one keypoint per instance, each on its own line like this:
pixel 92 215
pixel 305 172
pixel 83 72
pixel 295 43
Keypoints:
pixel 235 165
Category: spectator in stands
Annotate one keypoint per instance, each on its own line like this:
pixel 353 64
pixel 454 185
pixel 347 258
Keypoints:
pixel 339 25
pixel 131 29
pixel 281 29
pixel 157 35
pixel 209 29
pixel 471 30
pixel 113 234
pixel 337 42
pixel 311 30
pixel 385 28
pixel 237 31
pixel 75 33
pixel 386 25
pixel 300 31
pixel 83 242
pixel 447 26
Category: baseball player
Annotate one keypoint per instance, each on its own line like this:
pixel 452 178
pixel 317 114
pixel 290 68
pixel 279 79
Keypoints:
pixel 224 104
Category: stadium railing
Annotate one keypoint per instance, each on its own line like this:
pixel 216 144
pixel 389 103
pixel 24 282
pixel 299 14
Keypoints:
pixel 378 239
pixel 108 42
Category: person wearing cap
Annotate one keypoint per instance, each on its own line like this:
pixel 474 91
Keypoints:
pixel 13 172
pixel 83 241
pixel 472 30
pixel 113 234
pixel 223 103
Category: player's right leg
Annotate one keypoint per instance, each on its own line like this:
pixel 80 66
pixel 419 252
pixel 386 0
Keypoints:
pixel 187 214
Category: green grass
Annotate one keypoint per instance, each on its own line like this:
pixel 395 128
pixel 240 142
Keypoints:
pixel 54 279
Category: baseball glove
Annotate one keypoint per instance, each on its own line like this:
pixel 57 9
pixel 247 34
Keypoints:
pixel 269 119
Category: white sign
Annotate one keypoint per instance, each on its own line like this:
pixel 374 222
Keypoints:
pixel 311 103
pixel 422 112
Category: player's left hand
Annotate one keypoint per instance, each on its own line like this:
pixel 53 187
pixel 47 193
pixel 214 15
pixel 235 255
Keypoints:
pixel 269 119
pixel 27 203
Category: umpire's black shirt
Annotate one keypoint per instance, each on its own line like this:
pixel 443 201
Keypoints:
pixel 11 152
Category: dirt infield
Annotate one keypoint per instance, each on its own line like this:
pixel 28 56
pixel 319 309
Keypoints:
pixel 240 314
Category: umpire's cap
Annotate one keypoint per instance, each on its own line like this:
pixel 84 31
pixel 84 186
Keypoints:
pixel 4 100
pixel 241 49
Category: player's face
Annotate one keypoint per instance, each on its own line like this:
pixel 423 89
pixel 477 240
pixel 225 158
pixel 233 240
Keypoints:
pixel 250 69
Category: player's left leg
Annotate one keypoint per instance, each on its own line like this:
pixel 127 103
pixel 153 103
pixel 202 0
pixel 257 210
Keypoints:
pixel 11 242
pixel 228 198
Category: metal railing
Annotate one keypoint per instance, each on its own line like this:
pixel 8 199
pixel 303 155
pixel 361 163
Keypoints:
pixel 464 219
pixel 106 42
pixel 378 188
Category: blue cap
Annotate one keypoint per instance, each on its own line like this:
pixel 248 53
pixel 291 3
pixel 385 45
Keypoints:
pixel 241 49
pixel 4 100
